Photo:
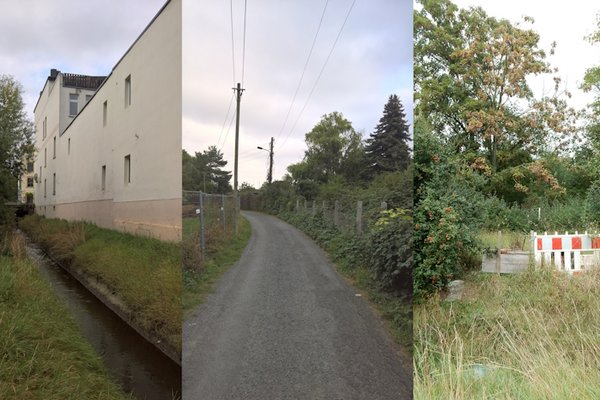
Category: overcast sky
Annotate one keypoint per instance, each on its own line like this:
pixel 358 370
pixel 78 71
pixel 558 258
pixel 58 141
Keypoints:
pixel 567 23
pixel 371 61
pixel 82 37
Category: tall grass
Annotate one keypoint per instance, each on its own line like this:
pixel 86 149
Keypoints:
pixel 144 273
pixel 200 276
pixel 43 354
pixel 534 335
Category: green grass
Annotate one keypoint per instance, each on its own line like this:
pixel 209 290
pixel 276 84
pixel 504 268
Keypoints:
pixel 534 335
pixel 42 352
pixel 144 273
pixel 505 240
pixel 199 282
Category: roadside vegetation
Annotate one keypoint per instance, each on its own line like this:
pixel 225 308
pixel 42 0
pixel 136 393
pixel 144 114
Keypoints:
pixel 222 251
pixel 144 273
pixel 44 355
pixel 490 155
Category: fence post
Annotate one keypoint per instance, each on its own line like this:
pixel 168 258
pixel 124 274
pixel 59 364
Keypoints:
pixel 297 205
pixel 202 243
pixel 359 209
pixel 498 252
pixel 314 209
pixel 336 213
pixel 223 213
pixel 305 208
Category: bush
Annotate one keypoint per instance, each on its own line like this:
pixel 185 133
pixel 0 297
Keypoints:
pixel 391 248
pixel 443 238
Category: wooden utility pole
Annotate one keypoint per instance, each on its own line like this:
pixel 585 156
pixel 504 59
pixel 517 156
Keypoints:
pixel 270 176
pixel 239 91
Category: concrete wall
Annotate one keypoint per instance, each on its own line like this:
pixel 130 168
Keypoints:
pixel 148 131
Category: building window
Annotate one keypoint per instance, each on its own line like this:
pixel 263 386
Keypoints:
pixel 88 97
pixel 44 188
pixel 54 148
pixel 128 91
pixel 104 113
pixel 44 126
pixel 73 99
pixel 45 156
pixel 69 147
pixel 29 166
pixel 29 182
pixel 104 177
pixel 127 169
pixel 54 184
pixel 40 177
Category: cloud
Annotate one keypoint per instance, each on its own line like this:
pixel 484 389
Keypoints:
pixel 372 59
pixel 86 37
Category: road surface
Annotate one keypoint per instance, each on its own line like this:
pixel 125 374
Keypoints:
pixel 282 324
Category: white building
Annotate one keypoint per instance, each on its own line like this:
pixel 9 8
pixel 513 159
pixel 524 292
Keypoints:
pixel 109 148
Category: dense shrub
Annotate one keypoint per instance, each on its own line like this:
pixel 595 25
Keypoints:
pixel 391 251
pixel 442 239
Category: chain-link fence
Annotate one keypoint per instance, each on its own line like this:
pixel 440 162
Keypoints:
pixel 207 220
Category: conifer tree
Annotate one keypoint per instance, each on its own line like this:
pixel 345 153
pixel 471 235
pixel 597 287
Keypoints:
pixel 388 148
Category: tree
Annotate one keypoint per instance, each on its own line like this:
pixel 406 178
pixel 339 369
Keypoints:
pixel 16 132
pixel 387 148
pixel 334 148
pixel 591 83
pixel 204 171
pixel 471 75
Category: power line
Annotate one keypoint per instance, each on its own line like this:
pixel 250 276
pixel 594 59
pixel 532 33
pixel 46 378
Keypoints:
pixel 320 73
pixel 304 69
pixel 228 129
pixel 225 120
pixel 244 44
pixel 232 40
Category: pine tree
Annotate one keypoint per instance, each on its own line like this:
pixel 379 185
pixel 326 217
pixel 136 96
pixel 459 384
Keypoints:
pixel 387 147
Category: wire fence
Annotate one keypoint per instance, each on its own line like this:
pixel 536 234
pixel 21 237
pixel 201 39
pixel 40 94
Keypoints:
pixel 346 215
pixel 207 220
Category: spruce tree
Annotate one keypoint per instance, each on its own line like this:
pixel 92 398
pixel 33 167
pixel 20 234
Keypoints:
pixel 387 148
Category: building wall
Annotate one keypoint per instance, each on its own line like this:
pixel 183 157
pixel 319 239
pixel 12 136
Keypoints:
pixel 27 176
pixel 148 131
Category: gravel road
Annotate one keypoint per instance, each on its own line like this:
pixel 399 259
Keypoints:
pixel 282 324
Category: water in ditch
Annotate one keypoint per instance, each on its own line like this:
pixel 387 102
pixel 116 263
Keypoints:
pixel 138 366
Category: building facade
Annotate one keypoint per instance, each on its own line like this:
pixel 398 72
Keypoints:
pixel 26 189
pixel 109 148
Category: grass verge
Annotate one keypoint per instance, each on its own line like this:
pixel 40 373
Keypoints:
pixel 44 355
pixel 534 335
pixel 199 282
pixel 144 273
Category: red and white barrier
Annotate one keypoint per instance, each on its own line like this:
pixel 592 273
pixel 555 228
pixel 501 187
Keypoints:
pixel 567 252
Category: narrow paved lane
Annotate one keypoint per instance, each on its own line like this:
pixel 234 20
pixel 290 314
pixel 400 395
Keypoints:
pixel 282 324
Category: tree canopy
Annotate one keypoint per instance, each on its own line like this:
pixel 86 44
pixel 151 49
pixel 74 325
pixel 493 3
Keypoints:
pixel 471 75
pixel 204 171
pixel 16 133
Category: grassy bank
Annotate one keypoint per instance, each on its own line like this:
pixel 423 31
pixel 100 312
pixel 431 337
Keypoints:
pixel 348 252
pixel 44 356
pixel 534 335
pixel 199 278
pixel 144 273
